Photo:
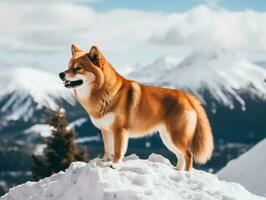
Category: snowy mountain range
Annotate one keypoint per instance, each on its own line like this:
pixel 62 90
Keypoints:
pixel 221 79
pixel 136 179
pixel 231 87
pixel 26 91
pixel 225 75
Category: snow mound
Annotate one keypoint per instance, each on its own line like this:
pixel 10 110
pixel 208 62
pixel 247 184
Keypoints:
pixel 26 89
pixel 225 75
pixel 136 179
pixel 248 169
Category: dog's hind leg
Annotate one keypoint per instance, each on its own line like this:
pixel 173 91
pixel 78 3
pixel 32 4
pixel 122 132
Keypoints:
pixel 168 142
pixel 185 157
pixel 178 137
pixel 181 138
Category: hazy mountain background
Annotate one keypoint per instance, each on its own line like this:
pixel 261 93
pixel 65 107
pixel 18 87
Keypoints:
pixel 214 49
pixel 231 88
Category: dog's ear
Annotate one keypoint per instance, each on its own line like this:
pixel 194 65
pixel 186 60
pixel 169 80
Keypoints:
pixel 74 49
pixel 96 56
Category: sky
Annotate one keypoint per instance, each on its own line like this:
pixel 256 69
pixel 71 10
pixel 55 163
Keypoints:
pixel 131 34
pixel 177 6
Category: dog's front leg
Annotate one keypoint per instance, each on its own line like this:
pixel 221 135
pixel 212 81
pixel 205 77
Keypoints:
pixel 108 141
pixel 120 142
pixel 120 146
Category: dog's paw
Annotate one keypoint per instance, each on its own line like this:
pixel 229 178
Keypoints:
pixel 112 165
pixel 107 158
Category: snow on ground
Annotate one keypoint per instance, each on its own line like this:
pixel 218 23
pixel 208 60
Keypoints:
pixel 248 169
pixel 136 179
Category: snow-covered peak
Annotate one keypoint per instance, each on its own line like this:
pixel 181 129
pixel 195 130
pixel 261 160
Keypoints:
pixel 136 179
pixel 150 72
pixel 40 85
pixel 248 169
pixel 27 86
pixel 224 74
pixel 216 68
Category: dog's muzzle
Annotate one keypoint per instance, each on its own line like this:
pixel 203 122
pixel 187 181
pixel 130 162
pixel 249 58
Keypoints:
pixel 67 83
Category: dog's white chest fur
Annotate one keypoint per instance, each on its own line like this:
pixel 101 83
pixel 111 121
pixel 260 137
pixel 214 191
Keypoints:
pixel 82 91
pixel 104 122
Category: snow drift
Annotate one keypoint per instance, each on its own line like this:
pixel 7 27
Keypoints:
pixel 248 169
pixel 154 178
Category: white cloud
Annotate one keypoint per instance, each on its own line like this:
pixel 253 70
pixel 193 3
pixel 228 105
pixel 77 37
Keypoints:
pixel 40 26
pixel 40 34
pixel 203 27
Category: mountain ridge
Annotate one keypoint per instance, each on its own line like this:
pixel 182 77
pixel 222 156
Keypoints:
pixel 224 74
pixel 27 90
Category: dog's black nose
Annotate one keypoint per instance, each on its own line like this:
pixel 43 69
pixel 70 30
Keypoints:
pixel 62 76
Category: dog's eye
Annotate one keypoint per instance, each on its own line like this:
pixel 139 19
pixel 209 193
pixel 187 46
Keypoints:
pixel 77 68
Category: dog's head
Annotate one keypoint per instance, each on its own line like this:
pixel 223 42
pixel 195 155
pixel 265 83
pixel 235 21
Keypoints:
pixel 84 68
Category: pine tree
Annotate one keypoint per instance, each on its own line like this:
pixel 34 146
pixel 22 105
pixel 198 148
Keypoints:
pixel 60 149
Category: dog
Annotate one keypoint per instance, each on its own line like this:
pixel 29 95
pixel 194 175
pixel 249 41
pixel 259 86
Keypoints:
pixel 124 109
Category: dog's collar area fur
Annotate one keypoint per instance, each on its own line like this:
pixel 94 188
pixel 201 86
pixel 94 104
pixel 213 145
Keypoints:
pixel 72 84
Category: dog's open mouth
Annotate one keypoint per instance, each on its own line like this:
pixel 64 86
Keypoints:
pixel 72 84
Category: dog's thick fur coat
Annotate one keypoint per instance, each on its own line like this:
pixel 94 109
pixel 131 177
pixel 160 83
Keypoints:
pixel 123 108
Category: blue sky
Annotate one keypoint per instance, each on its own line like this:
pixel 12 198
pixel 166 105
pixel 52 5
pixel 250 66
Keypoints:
pixel 177 5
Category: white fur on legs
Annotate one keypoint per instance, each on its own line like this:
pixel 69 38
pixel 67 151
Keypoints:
pixel 124 150
pixel 108 146
pixel 181 163
pixel 116 164
pixel 165 136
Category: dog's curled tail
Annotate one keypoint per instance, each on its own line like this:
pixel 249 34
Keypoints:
pixel 202 142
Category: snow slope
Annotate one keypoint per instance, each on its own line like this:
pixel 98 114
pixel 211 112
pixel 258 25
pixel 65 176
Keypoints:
pixel 224 74
pixel 25 90
pixel 136 179
pixel 248 169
